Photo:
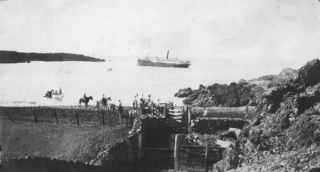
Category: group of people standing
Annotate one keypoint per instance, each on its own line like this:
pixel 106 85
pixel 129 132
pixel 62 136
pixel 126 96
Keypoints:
pixel 56 92
pixel 141 103
pixel 145 104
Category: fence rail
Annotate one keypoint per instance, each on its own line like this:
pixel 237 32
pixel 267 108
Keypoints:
pixel 76 116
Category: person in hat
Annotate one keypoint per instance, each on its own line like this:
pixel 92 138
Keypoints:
pixel 104 100
pixel 134 104
pixel 149 98
pixel 120 108
pixel 84 96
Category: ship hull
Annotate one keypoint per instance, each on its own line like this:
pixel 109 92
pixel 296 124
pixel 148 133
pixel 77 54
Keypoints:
pixel 159 64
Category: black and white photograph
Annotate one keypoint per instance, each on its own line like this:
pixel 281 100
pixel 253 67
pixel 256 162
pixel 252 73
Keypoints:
pixel 159 86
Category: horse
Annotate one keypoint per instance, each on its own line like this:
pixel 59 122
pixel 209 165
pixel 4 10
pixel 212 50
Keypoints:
pixel 85 100
pixel 103 102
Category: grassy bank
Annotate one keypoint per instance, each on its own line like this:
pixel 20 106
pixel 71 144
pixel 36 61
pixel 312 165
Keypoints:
pixel 77 143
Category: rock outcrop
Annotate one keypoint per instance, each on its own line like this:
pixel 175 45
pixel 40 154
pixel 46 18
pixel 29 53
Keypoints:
pixel 290 73
pixel 233 95
pixel 308 75
pixel 288 119
pixel 183 92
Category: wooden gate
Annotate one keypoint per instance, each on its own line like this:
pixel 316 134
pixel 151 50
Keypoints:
pixel 196 157
pixel 177 119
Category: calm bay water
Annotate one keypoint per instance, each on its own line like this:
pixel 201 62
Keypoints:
pixel 30 81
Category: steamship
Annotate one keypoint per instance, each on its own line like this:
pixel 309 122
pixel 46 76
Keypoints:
pixel 163 62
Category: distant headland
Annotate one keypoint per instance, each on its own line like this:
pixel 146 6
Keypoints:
pixel 19 57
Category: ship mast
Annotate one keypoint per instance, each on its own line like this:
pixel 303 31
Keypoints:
pixel 167 54
pixel 148 55
pixel 177 53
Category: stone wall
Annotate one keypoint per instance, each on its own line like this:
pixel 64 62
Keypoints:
pixel 210 125
pixel 115 155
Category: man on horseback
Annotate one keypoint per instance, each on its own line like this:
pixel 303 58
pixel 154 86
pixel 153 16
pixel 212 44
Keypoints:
pixel 104 100
pixel 85 99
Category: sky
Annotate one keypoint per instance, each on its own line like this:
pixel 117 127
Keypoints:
pixel 269 30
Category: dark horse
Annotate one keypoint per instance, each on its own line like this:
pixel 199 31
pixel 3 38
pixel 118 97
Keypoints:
pixel 85 100
pixel 103 102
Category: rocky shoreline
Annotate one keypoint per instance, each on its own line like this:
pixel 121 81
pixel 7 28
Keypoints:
pixel 253 91
pixel 286 124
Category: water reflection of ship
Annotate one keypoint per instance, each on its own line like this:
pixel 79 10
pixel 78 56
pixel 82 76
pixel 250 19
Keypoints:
pixel 58 96
pixel 163 62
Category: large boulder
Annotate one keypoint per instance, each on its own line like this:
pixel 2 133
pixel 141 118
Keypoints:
pixel 191 98
pixel 286 77
pixel 308 75
pixel 184 92
pixel 272 98
pixel 202 88
pixel 290 73
pixel 222 95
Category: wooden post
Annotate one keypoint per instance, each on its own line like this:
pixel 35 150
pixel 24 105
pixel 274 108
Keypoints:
pixel 109 116
pixel 7 114
pixel 77 119
pixel 35 116
pixel 127 117
pixel 55 115
pixel 129 151
pixel 176 152
pixel 102 114
pixel 218 152
pixel 131 119
pixel 164 113
pixel 189 118
pixel 139 148
pixel 119 118
pixel 151 108
pixel 206 156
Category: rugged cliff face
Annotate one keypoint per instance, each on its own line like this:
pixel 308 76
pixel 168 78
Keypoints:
pixel 287 124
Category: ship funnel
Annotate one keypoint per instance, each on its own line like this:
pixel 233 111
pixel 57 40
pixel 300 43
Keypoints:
pixel 167 54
